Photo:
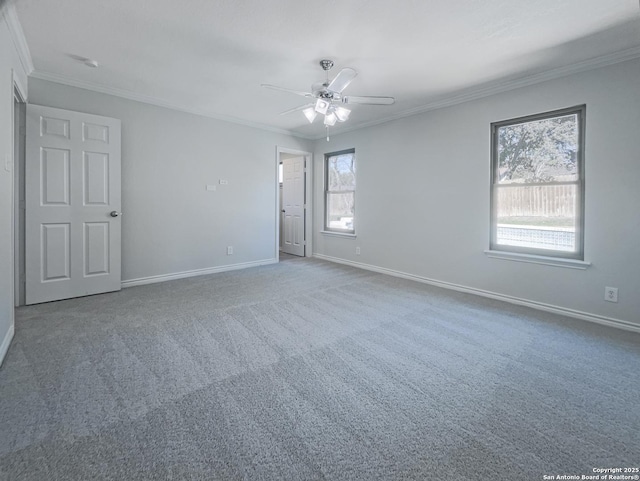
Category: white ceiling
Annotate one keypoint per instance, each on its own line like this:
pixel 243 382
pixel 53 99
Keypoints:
pixel 210 56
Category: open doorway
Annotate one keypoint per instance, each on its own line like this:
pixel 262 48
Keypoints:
pixel 19 146
pixel 293 203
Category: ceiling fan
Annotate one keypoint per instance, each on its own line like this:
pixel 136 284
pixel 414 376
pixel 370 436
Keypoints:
pixel 328 97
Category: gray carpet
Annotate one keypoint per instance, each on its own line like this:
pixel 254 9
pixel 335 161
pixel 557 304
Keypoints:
pixel 307 370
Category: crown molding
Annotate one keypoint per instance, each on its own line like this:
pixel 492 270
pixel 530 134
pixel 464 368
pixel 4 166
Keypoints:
pixel 493 88
pixel 147 99
pixel 17 36
pixel 467 95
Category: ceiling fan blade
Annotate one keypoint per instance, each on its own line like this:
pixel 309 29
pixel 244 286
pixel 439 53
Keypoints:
pixel 296 109
pixel 318 87
pixel 344 78
pixel 297 92
pixel 368 100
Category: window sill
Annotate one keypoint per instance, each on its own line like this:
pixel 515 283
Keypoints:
pixel 338 234
pixel 535 259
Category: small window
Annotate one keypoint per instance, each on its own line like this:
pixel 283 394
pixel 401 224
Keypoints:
pixel 537 192
pixel 340 191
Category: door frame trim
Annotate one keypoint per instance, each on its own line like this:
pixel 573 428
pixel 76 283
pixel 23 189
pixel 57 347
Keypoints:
pixel 308 200
pixel 19 95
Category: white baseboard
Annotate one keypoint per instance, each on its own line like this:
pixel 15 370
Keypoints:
pixel 6 342
pixel 197 272
pixel 607 321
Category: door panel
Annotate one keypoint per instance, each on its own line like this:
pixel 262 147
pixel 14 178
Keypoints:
pixel 72 182
pixel 54 173
pixel 96 178
pixel 95 132
pixel 96 248
pixel 55 246
pixel 293 199
pixel 50 126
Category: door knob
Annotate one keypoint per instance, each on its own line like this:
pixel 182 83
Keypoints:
pixel 283 210
pixel 115 213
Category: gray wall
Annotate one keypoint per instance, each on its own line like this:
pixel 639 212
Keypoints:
pixel 422 201
pixel 171 224
pixel 8 61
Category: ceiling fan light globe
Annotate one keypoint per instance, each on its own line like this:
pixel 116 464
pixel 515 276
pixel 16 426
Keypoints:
pixel 330 120
pixel 322 106
pixel 342 113
pixel 310 114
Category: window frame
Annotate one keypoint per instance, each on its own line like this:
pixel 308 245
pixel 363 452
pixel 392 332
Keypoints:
pixel 334 230
pixel 578 254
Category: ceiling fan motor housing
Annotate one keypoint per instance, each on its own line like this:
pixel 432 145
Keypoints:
pixel 326 64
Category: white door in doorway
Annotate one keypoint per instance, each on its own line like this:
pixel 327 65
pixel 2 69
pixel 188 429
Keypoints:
pixel 72 218
pixel 293 198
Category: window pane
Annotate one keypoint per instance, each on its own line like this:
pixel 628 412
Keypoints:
pixel 538 151
pixel 340 211
pixel 341 172
pixel 540 217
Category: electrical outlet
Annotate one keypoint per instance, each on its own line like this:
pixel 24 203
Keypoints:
pixel 224 181
pixel 611 294
pixel 229 250
pixel 357 251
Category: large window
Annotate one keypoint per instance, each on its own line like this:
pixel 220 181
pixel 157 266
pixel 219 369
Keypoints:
pixel 537 193
pixel 340 191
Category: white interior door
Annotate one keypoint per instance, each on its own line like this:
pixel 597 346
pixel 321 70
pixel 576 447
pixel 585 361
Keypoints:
pixel 72 219
pixel 293 197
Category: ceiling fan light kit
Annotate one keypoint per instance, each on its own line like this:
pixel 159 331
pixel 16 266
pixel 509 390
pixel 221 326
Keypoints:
pixel 327 93
pixel 330 119
pixel 310 113
pixel 322 106
pixel 342 113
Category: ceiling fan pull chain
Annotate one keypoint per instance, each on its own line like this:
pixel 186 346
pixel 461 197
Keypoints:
pixel 327 127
